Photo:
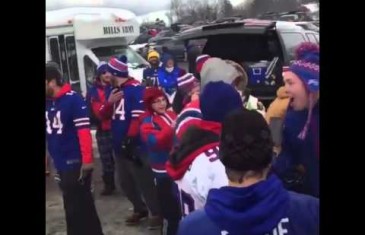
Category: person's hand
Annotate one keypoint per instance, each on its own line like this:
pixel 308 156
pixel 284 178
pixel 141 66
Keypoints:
pixel 115 96
pixel 86 170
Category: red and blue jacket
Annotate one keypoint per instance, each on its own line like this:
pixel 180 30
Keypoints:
pixel 125 113
pixel 157 135
pixel 68 130
pixel 96 97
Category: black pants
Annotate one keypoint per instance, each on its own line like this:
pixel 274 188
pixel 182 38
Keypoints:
pixel 137 181
pixel 81 215
pixel 170 208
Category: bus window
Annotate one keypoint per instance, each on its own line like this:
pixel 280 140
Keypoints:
pixel 72 63
pixel 64 66
pixel 90 71
pixel 54 50
pixel 72 58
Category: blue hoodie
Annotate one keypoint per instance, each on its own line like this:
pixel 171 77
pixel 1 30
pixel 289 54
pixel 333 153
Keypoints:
pixel 168 80
pixel 265 208
pixel 300 152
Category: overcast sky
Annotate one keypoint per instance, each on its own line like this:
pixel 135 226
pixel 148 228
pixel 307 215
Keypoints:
pixel 137 6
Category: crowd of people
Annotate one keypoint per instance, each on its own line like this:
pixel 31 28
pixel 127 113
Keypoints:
pixel 193 150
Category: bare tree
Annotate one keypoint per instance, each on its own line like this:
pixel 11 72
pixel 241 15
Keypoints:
pixel 176 8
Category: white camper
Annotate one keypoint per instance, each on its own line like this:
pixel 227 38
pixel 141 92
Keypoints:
pixel 79 38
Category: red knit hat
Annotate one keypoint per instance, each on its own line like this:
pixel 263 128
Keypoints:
pixel 150 94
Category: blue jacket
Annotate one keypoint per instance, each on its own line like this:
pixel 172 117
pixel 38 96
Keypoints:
pixel 168 80
pixel 265 208
pixel 301 152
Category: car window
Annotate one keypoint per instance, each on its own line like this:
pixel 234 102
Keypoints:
pixel 291 42
pixel 312 38
pixel 317 37
pixel 162 41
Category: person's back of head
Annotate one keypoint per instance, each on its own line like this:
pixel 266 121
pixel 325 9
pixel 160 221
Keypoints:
pixel 53 72
pixel 216 69
pixel 217 100
pixel 246 145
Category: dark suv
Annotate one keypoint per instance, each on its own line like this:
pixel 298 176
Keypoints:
pixel 262 47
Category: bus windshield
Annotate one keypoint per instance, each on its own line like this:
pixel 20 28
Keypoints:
pixel 133 58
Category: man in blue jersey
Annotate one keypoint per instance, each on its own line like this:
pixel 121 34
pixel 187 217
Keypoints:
pixel 70 145
pixel 124 106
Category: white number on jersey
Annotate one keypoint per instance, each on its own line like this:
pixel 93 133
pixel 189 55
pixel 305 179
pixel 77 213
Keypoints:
pixel 120 110
pixel 56 124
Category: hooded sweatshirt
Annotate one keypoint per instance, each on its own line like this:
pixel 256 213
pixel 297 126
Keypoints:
pixel 264 208
pixel 168 80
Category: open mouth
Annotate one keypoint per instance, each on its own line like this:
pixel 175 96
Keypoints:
pixel 291 101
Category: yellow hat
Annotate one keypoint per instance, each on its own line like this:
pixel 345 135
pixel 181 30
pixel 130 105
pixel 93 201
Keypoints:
pixel 153 54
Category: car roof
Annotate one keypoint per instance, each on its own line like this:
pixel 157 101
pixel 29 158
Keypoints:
pixel 249 26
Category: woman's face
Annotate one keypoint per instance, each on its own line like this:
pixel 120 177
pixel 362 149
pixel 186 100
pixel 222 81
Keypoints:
pixel 296 91
pixel 159 105
pixel 170 63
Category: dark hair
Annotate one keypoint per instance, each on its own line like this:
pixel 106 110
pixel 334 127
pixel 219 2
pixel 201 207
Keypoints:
pixel 246 144
pixel 53 72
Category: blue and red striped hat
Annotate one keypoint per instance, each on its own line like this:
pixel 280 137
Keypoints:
pixel 118 67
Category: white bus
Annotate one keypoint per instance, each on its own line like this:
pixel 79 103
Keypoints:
pixel 79 38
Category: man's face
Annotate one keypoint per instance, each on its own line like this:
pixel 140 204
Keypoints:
pixel 296 91
pixel 116 82
pixel 50 88
pixel 154 61
pixel 106 77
